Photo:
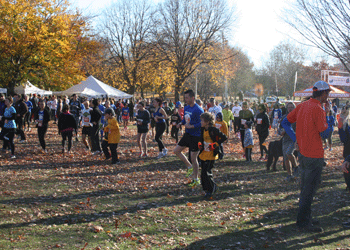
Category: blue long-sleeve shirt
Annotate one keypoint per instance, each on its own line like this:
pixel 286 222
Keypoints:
pixel 192 116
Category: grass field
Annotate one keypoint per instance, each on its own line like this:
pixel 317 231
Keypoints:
pixel 79 201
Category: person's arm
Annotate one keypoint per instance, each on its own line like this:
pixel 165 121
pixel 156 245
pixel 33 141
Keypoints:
pixel 288 128
pixel 321 124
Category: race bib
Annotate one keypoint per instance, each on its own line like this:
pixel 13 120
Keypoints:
pixel 243 121
pixel 41 117
pixel 206 147
pixel 174 123
pixel 86 119
pixel 259 121
pixel 40 123
pixel 217 125
pixel 276 115
pixel 187 118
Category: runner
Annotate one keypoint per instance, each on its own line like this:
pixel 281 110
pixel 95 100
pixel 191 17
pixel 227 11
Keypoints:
pixel 311 127
pixel 75 107
pixel 96 122
pixel 42 118
pixel 28 115
pixel 143 119
pixel 244 115
pixel 66 125
pixel 214 108
pixel 168 112
pixel 175 120
pixel 86 124
pixel 125 115
pixel 8 131
pixel 113 136
pixel 21 110
pixel 159 117
pixel 222 126
pixel 191 137
pixel 262 128
pixel 235 112
pixel 210 140
pixel 228 117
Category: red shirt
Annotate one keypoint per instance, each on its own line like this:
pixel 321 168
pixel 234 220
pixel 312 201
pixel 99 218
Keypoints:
pixel 311 121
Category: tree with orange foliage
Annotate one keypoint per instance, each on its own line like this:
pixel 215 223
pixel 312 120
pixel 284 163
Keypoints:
pixel 40 41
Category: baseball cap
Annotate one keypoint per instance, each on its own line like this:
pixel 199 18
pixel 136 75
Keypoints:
pixel 320 86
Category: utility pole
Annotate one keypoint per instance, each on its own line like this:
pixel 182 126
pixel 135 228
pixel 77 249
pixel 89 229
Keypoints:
pixel 196 87
pixel 225 79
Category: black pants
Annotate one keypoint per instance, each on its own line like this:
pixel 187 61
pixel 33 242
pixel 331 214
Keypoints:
pixel 27 118
pixel 9 134
pixel 160 128
pixel 175 133
pixel 236 124
pixel 19 123
pixel 113 147
pixel 41 135
pixel 207 179
pixel 53 115
pixel 167 126
pixel 262 147
pixel 95 140
pixel 248 154
pixel 67 135
pixel 242 131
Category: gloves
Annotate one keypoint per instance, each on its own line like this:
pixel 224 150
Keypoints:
pixel 213 146
pixel 200 146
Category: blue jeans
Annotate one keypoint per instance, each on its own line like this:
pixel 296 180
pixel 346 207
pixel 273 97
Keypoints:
pixel 311 169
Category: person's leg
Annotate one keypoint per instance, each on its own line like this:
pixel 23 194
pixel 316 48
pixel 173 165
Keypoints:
pixel 167 126
pixel 172 132
pixel 242 138
pixel 10 136
pixel 19 122
pixel 41 135
pixel 178 152
pixel 310 179
pixel 114 153
pixel 144 142
pixel 160 128
pixel 139 143
pixel 330 142
pixel 105 150
pixel 85 140
pixel 250 151
pixel 204 176
pixel 70 136
pixel 246 154
pixel 64 138
pixel 195 166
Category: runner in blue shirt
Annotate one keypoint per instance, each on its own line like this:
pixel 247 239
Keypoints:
pixel 192 122
pixel 28 114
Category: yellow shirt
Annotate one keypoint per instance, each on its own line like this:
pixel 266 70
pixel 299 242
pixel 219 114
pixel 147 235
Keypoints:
pixel 222 126
pixel 206 154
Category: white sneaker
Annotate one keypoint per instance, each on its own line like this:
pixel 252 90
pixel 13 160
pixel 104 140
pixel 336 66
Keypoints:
pixel 13 157
pixel 160 155
pixel 22 141
pixel 165 152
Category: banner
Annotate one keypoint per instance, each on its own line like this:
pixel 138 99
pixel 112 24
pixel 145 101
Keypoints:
pixel 339 80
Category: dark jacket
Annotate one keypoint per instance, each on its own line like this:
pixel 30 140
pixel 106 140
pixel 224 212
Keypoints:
pixel 96 115
pixel 263 129
pixel 21 108
pixel 145 117
pixel 46 118
pixel 246 115
pixel 66 121
pixel 216 136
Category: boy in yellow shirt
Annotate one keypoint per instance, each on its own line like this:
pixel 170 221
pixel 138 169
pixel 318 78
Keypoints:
pixel 112 136
pixel 210 140
pixel 222 126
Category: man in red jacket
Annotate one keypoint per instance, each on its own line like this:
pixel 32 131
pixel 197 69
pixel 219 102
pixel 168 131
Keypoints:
pixel 311 128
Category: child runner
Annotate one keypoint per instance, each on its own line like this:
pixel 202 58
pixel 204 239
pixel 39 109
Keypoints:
pixel 248 140
pixel 66 125
pixel 175 120
pixel 191 137
pixel 8 130
pixel 42 118
pixel 222 126
pixel 262 128
pixel 159 117
pixel 86 124
pixel 143 119
pixel 125 115
pixel 331 124
pixel 227 116
pixel 277 115
pixel 210 140
pixel 244 115
pixel 113 136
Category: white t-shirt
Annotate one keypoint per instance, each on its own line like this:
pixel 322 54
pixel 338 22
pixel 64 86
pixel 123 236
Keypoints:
pixel 235 111
pixel 54 104
pixel 86 117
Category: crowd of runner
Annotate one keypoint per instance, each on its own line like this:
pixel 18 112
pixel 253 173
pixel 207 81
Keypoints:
pixel 203 128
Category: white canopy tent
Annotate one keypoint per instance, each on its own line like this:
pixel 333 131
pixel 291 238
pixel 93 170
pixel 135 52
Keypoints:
pixel 96 88
pixel 28 88
pixel 2 90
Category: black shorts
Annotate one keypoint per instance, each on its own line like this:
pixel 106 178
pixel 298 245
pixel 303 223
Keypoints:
pixel 189 141
pixel 86 130
pixel 142 130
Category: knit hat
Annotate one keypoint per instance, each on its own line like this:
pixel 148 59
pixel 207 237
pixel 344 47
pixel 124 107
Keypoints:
pixel 218 116
pixel 110 111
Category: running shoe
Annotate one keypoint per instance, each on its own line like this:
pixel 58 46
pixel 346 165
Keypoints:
pixel 160 155
pixel 208 195
pixel 165 151
pixel 6 138
pixel 13 157
pixel 194 183
pixel 22 141
pixel 189 172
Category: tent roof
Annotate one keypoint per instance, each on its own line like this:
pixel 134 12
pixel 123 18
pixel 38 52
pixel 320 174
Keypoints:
pixel 95 88
pixel 3 90
pixel 28 88
pixel 335 93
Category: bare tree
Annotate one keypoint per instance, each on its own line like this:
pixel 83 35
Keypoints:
pixel 125 28
pixel 184 29
pixel 325 24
